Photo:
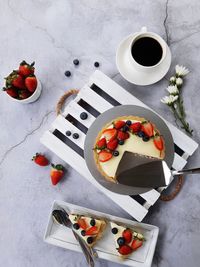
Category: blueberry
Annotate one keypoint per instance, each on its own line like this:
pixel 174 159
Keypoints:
pixel 83 116
pixel 96 64
pixel 115 153
pixel 90 240
pixel 83 232
pixel 76 62
pixel 92 222
pixel 114 230
pixel 76 226
pixel 145 138
pixel 141 134
pixel 125 128
pixel 68 133
pixel 75 135
pixel 128 123
pixel 121 142
pixel 121 241
pixel 67 73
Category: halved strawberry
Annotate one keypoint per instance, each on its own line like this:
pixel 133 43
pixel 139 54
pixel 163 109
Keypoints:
pixel 127 234
pixel 147 128
pixel 110 134
pixel 158 142
pixel 82 223
pixel 122 135
pixel 112 144
pixel 119 124
pixel 101 144
pixel 92 231
pixel 124 250
pixel 104 156
pixel 136 127
pixel 136 244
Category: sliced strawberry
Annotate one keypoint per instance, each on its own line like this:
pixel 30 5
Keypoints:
pixel 92 231
pixel 147 128
pixel 104 156
pixel 101 144
pixel 136 127
pixel 82 223
pixel 158 142
pixel 112 144
pixel 110 134
pixel 136 244
pixel 122 135
pixel 127 234
pixel 124 250
pixel 119 124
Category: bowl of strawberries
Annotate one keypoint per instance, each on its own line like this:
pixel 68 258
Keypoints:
pixel 22 85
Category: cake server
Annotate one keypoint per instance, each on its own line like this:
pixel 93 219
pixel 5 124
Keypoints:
pixel 146 172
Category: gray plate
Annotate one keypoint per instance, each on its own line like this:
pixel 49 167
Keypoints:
pixel 109 115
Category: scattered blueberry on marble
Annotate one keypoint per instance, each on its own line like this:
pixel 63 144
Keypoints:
pixel 83 232
pixel 76 62
pixel 114 230
pixel 115 153
pixel 75 135
pixel 76 226
pixel 125 128
pixel 92 222
pixel 67 73
pixel 96 64
pixel 68 133
pixel 121 241
pixel 83 116
pixel 128 123
pixel 121 142
pixel 90 240
pixel 141 134
pixel 145 138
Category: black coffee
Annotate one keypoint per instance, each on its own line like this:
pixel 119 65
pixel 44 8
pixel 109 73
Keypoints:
pixel 147 51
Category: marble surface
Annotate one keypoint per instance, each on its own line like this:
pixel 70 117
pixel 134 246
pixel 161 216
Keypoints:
pixel 53 33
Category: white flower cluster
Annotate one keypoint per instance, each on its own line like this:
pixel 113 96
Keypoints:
pixel 169 99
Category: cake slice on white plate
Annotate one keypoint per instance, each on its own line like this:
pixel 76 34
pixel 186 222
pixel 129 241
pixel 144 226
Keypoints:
pixel 88 228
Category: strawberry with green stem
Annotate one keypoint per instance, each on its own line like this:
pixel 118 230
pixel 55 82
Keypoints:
pixel 57 172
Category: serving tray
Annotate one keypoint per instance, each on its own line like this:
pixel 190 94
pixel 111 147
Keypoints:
pixel 105 247
pixel 98 95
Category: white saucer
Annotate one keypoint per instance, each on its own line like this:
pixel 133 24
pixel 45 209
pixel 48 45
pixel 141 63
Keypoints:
pixel 134 76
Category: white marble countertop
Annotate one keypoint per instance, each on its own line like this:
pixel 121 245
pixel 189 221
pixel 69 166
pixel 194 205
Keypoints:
pixel 53 33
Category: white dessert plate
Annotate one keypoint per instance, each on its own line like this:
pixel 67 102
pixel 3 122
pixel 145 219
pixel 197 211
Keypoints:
pixel 132 75
pixel 108 116
pixel 105 247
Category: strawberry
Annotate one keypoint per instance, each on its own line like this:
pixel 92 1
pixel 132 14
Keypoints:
pixel 104 156
pixel 119 124
pixel 101 144
pixel 158 142
pixel 136 127
pixel 147 128
pixel 16 80
pixel 26 69
pixel 31 83
pixel 11 92
pixel 124 250
pixel 23 94
pixel 122 135
pixel 112 144
pixel 92 231
pixel 136 244
pixel 82 223
pixel 57 173
pixel 127 234
pixel 40 159
pixel 110 134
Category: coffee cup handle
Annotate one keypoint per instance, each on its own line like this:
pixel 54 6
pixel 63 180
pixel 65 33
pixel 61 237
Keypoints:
pixel 143 29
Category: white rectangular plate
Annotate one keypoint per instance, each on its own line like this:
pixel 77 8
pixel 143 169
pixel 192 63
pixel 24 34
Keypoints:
pixel 105 247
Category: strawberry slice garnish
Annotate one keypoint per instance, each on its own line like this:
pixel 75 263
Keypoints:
pixel 101 144
pixel 119 124
pixel 112 144
pixel 136 244
pixel 92 231
pixel 104 156
pixel 136 127
pixel 124 250
pixel 82 223
pixel 110 134
pixel 147 128
pixel 122 135
pixel 158 142
pixel 127 234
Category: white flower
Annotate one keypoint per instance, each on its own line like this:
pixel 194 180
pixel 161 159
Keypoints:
pixel 179 81
pixel 172 79
pixel 173 90
pixel 181 71
pixel 168 100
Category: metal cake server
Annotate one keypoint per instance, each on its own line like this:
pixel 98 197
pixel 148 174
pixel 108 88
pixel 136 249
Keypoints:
pixel 139 171
pixel 61 217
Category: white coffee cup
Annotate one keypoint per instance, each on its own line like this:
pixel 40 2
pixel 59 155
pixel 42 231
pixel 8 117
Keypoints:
pixel 144 33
